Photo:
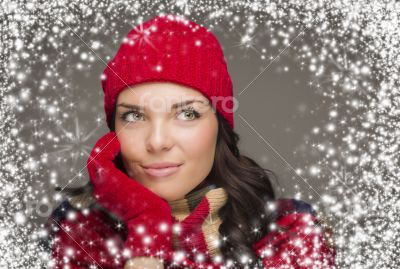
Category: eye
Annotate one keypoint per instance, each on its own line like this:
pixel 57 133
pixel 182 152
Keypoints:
pixel 131 116
pixel 189 114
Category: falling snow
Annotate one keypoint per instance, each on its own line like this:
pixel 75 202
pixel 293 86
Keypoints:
pixel 350 48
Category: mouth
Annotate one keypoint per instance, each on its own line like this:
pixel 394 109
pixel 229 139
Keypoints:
pixel 161 170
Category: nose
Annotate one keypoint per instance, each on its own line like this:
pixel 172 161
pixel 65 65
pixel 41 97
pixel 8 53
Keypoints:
pixel 159 137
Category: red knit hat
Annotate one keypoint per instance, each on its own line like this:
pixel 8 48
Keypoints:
pixel 172 49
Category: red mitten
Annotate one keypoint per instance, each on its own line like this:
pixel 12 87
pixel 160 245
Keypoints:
pixel 147 216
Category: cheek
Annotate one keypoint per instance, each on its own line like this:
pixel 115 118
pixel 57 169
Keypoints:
pixel 130 149
pixel 199 145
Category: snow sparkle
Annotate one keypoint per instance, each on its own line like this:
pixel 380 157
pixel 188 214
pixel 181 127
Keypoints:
pixel 350 48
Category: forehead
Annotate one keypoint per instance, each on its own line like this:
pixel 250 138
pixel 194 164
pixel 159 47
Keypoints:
pixel 145 92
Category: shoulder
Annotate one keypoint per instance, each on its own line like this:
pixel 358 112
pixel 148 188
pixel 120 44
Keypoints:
pixel 296 237
pixel 287 206
pixel 296 228
pixel 286 212
pixel 79 216
pixel 81 234
pixel 75 208
pixel 289 213
pixel 81 206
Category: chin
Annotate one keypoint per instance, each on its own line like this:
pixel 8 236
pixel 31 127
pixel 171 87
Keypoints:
pixel 168 196
pixel 159 192
pixel 165 191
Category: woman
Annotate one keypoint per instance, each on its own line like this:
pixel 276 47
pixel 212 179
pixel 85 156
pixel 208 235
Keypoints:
pixel 168 186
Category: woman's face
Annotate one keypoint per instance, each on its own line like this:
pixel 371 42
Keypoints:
pixel 161 122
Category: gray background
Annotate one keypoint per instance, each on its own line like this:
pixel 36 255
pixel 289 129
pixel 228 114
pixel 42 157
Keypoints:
pixel 280 107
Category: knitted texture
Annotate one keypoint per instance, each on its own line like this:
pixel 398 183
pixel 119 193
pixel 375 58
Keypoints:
pixel 197 220
pixel 96 238
pixel 170 49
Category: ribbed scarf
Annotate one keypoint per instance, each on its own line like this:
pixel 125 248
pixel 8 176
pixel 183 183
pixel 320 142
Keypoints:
pixel 197 221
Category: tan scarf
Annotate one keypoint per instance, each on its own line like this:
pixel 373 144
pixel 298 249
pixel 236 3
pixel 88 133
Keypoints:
pixel 183 208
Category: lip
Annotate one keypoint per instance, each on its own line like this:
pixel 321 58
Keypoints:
pixel 161 169
pixel 161 165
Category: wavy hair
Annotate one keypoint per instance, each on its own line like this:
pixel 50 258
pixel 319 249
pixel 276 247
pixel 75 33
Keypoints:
pixel 248 187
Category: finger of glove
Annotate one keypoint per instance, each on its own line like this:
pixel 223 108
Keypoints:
pixel 109 179
pixel 103 153
pixel 106 148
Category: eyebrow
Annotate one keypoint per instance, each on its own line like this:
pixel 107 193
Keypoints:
pixel 174 106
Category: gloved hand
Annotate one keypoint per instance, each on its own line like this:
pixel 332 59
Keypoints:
pixel 146 215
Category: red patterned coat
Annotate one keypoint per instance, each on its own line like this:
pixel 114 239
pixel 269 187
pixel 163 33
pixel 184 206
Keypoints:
pixel 89 237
